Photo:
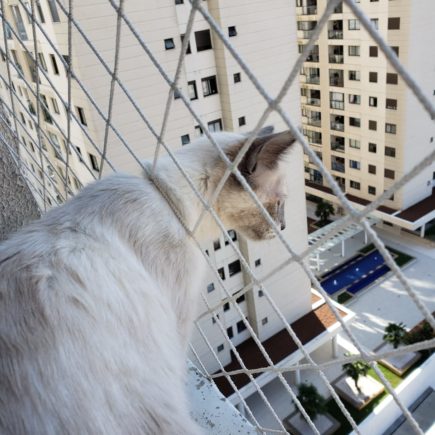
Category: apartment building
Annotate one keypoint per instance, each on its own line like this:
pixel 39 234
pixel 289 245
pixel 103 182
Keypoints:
pixel 221 94
pixel 359 116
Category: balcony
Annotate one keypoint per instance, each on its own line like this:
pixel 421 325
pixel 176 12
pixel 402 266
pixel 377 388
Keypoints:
pixel 305 34
pixel 335 29
pixel 313 80
pixel 315 121
pixel 337 123
pixel 336 78
pixel 337 145
pixel 337 164
pixel 313 101
pixel 336 58
pixel 335 34
pixel 312 57
pixel 334 104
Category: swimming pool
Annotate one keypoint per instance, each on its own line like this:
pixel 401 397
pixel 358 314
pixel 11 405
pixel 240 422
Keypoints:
pixel 355 274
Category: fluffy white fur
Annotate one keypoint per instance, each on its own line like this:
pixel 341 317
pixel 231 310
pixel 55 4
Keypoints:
pixel 97 301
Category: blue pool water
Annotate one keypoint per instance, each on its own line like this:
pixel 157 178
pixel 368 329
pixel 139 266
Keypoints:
pixel 356 274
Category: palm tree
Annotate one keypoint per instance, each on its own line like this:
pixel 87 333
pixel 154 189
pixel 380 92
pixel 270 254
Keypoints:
pixel 324 209
pixel 396 334
pixel 313 402
pixel 355 370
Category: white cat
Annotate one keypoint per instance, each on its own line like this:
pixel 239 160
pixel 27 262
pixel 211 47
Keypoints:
pixel 98 298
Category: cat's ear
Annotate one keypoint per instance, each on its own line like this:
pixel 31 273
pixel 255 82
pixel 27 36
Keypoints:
pixel 266 150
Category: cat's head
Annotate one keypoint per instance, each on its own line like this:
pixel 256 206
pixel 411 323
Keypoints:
pixel 263 170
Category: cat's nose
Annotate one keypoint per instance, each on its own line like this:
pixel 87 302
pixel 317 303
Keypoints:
pixel 282 227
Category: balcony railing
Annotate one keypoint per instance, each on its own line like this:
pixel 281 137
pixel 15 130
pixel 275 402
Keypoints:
pixel 305 34
pixel 336 105
pixel 336 58
pixel 339 126
pixel 313 101
pixel 333 81
pixel 314 122
pixel 339 167
pixel 313 80
pixel 335 34
pixel 309 10
pixel 312 57
pixel 336 146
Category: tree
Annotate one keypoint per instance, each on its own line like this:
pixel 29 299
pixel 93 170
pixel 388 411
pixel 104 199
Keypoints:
pixel 313 402
pixel 396 334
pixel 323 211
pixel 355 370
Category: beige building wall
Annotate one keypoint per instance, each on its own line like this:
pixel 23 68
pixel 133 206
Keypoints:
pixel 392 131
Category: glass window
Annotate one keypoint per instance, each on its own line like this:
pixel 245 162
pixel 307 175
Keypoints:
pixel 53 11
pixel 203 40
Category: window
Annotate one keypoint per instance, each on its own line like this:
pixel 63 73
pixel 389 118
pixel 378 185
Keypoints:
pixel 354 164
pixel 216 244
pixel 40 13
pixel 353 24
pixel 226 306
pixel 210 287
pixel 264 321
pixel 395 49
pixel 375 22
pixel 260 293
pixel 354 122
pixel 209 86
pixel 53 11
pixel 198 131
pixel 390 152
pixel 336 100
pixel 390 128
pixel 233 236
pixel 372 147
pixel 373 125
pixel 355 185
pixel 389 173
pixel 55 105
pixel 237 78
pixel 241 326
pixel 185 139
pixel 232 31
pixel 373 51
pixel 354 99
pixel 353 50
pixel 188 49
pixel 373 77
pixel 79 154
pixel 392 78
pixel 191 90
pixel 203 40
pixel 221 273
pixel 373 102
pixel 169 44
pixel 215 126
pixel 81 114
pixel 94 162
pixel 355 76
pixel 230 332
pixel 179 2
pixel 394 23
pixel 54 64
pixel 391 103
pixel 220 348
pixel 372 190
pixel 241 299
pixel 234 268
pixel 242 121
pixel 372 169
pixel 257 262
pixel 19 22
pixel 354 143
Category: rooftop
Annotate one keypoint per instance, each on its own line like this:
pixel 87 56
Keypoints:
pixel 419 209
pixel 279 346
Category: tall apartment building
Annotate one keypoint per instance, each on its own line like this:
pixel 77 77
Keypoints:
pixel 264 33
pixel 359 115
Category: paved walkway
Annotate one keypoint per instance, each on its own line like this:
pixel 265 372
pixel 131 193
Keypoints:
pixel 388 301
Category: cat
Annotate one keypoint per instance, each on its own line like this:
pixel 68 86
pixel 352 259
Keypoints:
pixel 98 297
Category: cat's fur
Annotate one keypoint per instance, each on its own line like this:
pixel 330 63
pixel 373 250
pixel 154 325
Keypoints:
pixel 97 298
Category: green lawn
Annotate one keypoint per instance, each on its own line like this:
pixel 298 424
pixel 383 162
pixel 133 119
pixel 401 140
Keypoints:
pixel 343 297
pixel 360 415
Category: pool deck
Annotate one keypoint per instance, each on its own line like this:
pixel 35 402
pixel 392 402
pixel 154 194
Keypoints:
pixel 373 307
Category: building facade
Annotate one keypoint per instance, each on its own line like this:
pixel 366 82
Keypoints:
pixel 359 116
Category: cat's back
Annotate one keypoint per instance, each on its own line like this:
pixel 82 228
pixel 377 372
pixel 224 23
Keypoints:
pixel 79 321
